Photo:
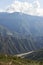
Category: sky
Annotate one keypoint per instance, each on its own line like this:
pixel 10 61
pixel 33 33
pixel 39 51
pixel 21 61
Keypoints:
pixel 5 3
pixel 32 7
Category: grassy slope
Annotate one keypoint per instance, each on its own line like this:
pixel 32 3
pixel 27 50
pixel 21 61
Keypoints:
pixel 12 60
pixel 37 55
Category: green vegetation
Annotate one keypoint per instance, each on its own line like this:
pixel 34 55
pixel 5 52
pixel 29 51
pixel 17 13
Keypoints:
pixel 13 60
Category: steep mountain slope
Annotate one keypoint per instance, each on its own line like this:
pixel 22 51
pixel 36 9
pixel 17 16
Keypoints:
pixel 36 55
pixel 22 23
pixel 12 43
pixel 25 33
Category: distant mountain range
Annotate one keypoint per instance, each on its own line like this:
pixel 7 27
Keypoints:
pixel 23 24
pixel 20 33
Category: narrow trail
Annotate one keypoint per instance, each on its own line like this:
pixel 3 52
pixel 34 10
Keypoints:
pixel 23 54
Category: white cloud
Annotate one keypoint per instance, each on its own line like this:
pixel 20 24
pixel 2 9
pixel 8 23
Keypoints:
pixel 1 10
pixel 36 4
pixel 35 7
pixel 25 7
pixel 40 12
pixel 19 7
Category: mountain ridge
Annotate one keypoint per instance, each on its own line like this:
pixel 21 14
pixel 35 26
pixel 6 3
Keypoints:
pixel 17 44
pixel 24 22
pixel 20 33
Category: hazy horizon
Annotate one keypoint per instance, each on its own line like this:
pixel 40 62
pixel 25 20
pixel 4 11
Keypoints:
pixel 32 7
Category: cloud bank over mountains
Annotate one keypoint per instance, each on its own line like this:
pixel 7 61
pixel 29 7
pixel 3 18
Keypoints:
pixel 25 7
